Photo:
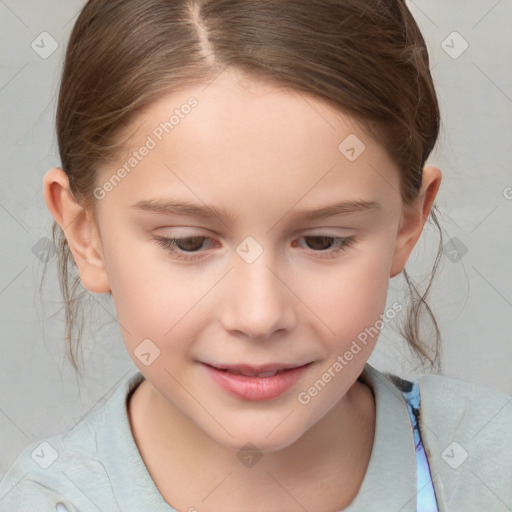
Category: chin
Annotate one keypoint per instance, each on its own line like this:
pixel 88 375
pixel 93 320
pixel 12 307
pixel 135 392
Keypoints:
pixel 265 440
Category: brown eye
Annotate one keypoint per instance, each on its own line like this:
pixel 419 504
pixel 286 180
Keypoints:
pixel 187 248
pixel 189 244
pixel 327 246
pixel 320 243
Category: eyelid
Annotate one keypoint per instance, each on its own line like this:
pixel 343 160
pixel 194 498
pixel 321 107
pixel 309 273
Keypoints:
pixel 341 244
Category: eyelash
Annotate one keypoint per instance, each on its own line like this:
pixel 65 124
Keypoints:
pixel 341 244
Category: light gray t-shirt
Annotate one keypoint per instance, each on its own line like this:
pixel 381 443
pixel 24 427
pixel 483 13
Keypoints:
pixel 96 466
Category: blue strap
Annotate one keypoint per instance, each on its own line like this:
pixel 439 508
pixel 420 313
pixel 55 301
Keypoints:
pixel 426 496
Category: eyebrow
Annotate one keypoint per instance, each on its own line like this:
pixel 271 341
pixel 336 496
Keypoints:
pixel 186 208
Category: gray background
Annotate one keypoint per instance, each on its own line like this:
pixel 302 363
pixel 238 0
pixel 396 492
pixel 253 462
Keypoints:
pixel 472 299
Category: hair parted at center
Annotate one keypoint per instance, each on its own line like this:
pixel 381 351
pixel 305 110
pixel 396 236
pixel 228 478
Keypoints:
pixel 366 58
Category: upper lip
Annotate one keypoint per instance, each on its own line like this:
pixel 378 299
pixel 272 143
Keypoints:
pixel 250 369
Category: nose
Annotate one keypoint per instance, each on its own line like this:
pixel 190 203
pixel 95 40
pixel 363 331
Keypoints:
pixel 256 300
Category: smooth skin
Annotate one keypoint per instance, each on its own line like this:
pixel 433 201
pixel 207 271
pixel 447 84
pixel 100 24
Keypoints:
pixel 261 152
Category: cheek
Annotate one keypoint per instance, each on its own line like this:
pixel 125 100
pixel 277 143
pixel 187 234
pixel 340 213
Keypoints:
pixel 150 293
pixel 352 297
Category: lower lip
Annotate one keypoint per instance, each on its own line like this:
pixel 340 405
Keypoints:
pixel 256 388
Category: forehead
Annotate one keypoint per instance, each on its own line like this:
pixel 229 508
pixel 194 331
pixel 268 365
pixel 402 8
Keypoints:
pixel 232 104
pixel 237 138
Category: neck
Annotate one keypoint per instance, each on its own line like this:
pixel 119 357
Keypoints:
pixel 325 466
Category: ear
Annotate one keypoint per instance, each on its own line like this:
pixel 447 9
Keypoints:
pixel 414 216
pixel 80 230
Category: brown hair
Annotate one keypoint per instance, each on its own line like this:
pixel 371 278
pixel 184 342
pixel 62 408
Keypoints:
pixel 368 59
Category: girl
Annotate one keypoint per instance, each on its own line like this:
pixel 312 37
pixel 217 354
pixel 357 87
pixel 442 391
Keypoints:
pixel 244 178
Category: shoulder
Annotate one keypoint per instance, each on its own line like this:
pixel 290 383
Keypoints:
pixel 71 468
pixel 32 482
pixel 58 470
pixel 467 434
pixel 452 406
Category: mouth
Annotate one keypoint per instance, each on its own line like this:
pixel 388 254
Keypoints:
pixel 253 383
pixel 263 371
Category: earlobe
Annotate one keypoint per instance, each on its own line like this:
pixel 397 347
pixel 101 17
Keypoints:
pixel 80 230
pixel 414 216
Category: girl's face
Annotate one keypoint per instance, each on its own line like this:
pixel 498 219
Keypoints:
pixel 261 282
